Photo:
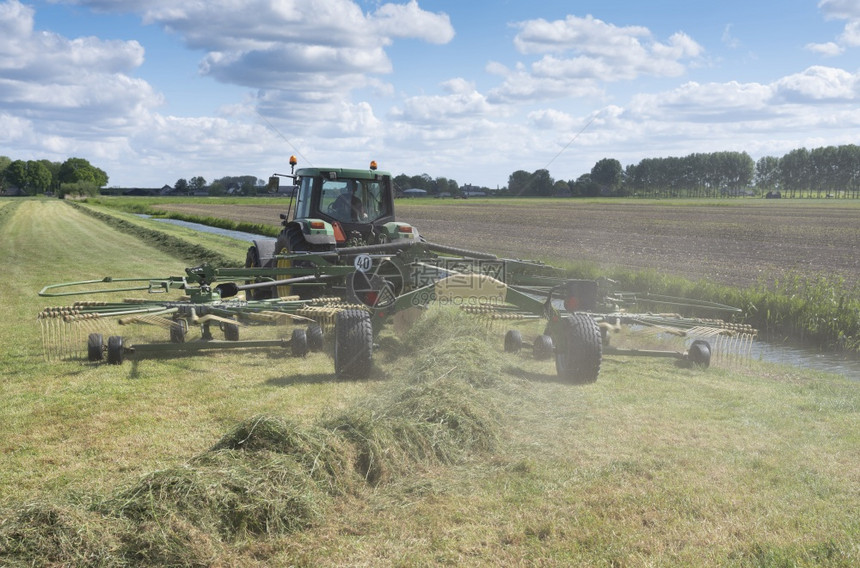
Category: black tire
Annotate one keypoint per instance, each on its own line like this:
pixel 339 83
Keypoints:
pixel 543 348
pixel 578 349
pixel 115 350
pixel 231 332
pixel 178 331
pixel 316 339
pixel 299 343
pixel 252 260
pixel 513 341
pixel 353 345
pixel 699 353
pixel 95 347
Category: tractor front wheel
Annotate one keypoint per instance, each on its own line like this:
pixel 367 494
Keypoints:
pixel 353 345
pixel 578 349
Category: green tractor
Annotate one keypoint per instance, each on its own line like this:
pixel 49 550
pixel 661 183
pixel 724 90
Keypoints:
pixel 334 208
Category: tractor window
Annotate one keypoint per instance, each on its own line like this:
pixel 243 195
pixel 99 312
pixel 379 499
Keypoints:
pixel 303 202
pixel 374 204
pixel 353 200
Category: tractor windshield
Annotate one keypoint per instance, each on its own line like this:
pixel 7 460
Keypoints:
pixel 353 200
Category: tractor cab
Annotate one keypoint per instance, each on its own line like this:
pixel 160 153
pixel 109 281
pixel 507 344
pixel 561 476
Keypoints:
pixel 332 208
pixel 356 204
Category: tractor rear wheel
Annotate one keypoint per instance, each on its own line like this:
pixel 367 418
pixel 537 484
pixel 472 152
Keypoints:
pixel 252 260
pixel 95 347
pixel 353 345
pixel 578 349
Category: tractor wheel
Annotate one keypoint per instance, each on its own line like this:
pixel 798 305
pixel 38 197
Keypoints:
pixel 95 347
pixel 231 332
pixel 252 260
pixel 115 350
pixel 299 343
pixel 578 349
pixel 543 348
pixel 513 341
pixel 699 353
pixel 316 341
pixel 353 345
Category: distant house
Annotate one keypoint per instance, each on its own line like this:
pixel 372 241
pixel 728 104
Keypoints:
pixel 414 193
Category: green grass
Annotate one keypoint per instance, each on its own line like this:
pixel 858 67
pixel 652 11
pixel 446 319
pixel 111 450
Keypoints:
pixel 453 453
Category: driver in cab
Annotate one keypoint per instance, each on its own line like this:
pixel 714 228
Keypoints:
pixel 348 207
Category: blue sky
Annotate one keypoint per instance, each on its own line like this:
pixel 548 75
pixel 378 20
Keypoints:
pixel 156 90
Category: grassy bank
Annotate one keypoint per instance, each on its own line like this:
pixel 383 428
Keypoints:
pixel 453 453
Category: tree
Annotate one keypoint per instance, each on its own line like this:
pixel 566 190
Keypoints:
pixel 767 173
pixel 541 183
pixel 181 185
pixel 76 170
pixel 518 182
pixel 39 178
pixel 16 174
pixel 607 174
pixel 197 183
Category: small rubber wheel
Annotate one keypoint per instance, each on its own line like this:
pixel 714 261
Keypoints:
pixel 178 331
pixel 95 347
pixel 699 353
pixel 115 350
pixel 513 341
pixel 316 340
pixel 231 332
pixel 299 343
pixel 353 345
pixel 543 348
pixel 578 349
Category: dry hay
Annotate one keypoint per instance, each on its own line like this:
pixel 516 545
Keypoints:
pixel 272 476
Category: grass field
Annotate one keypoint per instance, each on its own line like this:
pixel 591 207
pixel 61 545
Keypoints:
pixel 480 458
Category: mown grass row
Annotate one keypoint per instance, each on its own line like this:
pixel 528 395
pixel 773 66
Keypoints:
pixel 191 253
pixel 272 476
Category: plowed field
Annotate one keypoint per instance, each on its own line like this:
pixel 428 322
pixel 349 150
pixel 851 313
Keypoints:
pixel 736 243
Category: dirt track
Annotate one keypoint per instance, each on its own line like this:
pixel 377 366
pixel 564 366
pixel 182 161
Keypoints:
pixel 737 243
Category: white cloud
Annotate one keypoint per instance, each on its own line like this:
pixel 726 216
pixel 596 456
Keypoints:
pixel 579 53
pixel 828 49
pixel 818 84
pixel 850 36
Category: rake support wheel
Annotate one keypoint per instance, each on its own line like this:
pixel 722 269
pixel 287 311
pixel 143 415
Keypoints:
pixel 578 349
pixel 115 349
pixel 513 341
pixel 316 339
pixel 699 353
pixel 95 347
pixel 353 345
pixel 299 343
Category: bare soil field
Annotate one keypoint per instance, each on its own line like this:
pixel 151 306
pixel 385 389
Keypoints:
pixel 734 243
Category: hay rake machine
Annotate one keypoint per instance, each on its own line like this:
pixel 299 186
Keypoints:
pixel 342 297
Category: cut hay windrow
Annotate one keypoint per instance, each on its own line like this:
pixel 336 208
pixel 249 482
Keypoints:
pixel 270 475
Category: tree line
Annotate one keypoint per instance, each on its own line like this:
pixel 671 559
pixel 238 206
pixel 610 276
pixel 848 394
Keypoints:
pixel 831 171
pixel 33 177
